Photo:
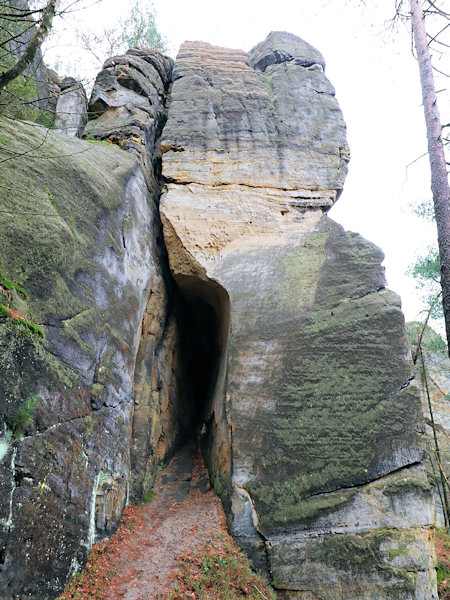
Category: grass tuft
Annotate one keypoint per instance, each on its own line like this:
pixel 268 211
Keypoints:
pixel 24 415
pixel 219 572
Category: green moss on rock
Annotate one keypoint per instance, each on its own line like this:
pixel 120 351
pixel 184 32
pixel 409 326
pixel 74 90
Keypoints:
pixel 330 344
pixel 362 553
pixel 40 251
pixel 405 484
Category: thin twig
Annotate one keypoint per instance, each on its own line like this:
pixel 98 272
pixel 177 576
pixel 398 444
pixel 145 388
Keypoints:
pixel 258 590
pixel 415 160
pixel 441 468
pixel 439 10
pixel 438 488
pixel 439 71
pixel 437 34
pixel 444 480
pixel 419 340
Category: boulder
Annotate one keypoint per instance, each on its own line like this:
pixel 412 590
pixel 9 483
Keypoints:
pixel 280 47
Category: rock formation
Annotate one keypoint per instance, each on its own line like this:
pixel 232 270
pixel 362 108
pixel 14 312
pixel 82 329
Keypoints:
pixel 71 107
pixel 320 419
pixel 257 324
pixel 433 379
pixel 80 231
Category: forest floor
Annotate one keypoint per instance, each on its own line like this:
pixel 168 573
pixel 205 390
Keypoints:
pixel 175 546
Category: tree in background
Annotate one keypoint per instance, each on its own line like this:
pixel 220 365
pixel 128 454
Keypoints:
pixel 439 175
pixel 22 31
pixel 426 270
pixel 25 90
pixel 137 29
pixel 17 19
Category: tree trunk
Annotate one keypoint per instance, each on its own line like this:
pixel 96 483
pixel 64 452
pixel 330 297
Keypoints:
pixel 439 177
pixel 27 57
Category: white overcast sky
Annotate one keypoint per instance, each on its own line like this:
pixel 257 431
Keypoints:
pixel 377 85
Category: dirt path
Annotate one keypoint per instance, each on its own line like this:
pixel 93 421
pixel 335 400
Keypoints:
pixel 183 512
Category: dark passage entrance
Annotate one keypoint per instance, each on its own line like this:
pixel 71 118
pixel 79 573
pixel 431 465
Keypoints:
pixel 204 331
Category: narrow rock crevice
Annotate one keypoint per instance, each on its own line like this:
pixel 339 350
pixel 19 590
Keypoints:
pixel 180 360
pixel 204 333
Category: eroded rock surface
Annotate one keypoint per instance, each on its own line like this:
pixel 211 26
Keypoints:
pixel 71 108
pixel 275 342
pixel 86 275
pixel 127 105
pixel 433 377
pixel 320 428
pixel 230 124
pixel 80 231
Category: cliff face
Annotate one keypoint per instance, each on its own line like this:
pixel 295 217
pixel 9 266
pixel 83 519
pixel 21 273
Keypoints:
pixel 320 418
pixel 80 231
pixel 433 379
pixel 257 324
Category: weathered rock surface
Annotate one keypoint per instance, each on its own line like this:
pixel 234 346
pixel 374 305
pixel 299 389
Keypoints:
pixel 127 105
pixel 87 274
pixel 279 130
pixel 87 247
pixel 437 380
pixel 128 108
pixel 275 341
pixel 71 108
pixel 320 462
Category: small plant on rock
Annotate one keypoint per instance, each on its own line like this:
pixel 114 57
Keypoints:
pixel 7 290
pixel 24 415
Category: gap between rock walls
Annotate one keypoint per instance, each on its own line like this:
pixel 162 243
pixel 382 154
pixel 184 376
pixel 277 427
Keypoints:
pixel 181 357
pixel 300 410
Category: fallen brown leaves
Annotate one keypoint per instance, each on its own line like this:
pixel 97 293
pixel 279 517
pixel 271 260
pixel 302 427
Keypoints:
pixel 217 570
pixel 93 581
pixel 175 547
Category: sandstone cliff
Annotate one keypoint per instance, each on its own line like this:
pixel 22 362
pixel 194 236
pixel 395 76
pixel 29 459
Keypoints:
pixel 320 418
pixel 239 313
pixel 81 233
pixel 433 379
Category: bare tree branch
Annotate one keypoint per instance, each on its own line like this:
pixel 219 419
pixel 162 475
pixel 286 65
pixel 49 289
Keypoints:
pixel 27 57
pixel 438 10
pixel 432 39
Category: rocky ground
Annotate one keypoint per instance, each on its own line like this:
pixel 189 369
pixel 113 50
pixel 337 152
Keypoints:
pixel 173 546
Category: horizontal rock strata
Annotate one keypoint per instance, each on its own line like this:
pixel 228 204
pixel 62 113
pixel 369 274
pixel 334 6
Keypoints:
pixel 324 485
pixel 230 124
pixel 256 324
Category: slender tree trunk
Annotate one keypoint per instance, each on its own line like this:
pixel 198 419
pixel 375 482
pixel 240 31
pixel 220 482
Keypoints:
pixel 27 57
pixel 439 177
